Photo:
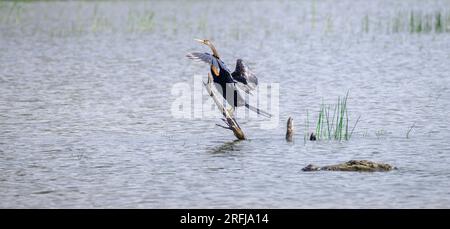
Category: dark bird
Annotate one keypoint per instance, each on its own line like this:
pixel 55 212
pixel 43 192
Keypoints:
pixel 226 81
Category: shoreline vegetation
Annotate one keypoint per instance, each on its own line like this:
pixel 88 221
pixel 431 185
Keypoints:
pixel 87 17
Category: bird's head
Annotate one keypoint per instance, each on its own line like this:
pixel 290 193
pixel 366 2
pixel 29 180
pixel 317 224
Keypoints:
pixel 205 42
pixel 210 45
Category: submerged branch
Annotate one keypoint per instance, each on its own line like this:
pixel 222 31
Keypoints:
pixel 228 118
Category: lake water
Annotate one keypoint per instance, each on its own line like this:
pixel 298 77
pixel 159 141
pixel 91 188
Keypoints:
pixel 85 104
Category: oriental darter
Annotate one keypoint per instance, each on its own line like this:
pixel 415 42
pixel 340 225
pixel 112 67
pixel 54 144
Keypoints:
pixel 227 81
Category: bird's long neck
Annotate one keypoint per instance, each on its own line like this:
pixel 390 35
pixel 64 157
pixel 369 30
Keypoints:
pixel 213 49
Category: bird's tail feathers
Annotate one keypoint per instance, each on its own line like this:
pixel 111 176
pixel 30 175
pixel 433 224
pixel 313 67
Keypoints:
pixel 258 111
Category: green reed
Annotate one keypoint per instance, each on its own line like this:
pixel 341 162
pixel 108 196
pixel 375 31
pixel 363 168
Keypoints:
pixel 307 125
pixel 333 121
pixel 141 21
pixel 365 23
pixel 419 22
pixel 438 22
pixel 410 129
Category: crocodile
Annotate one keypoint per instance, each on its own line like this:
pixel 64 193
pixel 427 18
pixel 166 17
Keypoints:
pixel 352 165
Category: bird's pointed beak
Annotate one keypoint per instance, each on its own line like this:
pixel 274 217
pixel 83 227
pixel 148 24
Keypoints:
pixel 200 40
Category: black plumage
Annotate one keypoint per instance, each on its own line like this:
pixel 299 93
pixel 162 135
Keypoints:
pixel 225 81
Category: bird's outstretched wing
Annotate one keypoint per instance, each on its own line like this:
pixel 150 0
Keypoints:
pixel 205 57
pixel 246 79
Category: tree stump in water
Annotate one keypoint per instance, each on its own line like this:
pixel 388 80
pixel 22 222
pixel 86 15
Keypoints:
pixel 290 130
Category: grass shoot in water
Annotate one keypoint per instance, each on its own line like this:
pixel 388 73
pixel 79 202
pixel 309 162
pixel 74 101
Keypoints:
pixel 335 127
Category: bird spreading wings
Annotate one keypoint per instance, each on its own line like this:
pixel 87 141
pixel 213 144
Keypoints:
pixel 244 78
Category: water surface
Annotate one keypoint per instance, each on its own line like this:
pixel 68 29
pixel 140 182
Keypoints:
pixel 86 95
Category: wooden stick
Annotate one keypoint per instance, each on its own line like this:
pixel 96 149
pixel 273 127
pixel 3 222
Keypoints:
pixel 228 118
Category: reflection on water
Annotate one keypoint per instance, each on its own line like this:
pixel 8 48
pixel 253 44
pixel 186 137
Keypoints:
pixel 226 148
pixel 86 95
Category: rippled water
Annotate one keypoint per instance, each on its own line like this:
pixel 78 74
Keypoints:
pixel 85 104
